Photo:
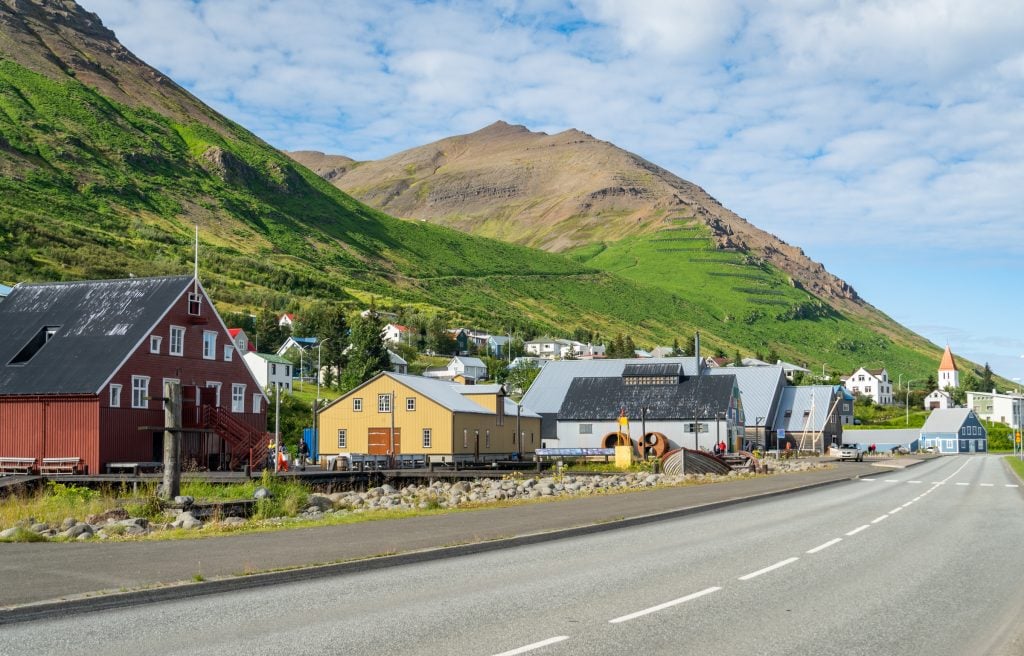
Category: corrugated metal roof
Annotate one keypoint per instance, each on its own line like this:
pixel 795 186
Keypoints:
pixel 947 420
pixel 510 410
pixel 270 357
pixel 815 400
pixel 603 399
pixel 653 369
pixel 97 325
pixel 760 388
pixel 4 290
pixel 469 362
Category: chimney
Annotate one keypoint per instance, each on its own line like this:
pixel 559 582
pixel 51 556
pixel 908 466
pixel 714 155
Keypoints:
pixel 696 352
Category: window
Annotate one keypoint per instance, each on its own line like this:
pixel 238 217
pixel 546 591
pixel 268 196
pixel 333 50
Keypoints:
pixel 357 405
pixel 426 438
pixel 257 402
pixel 410 404
pixel 237 397
pixel 140 391
pixel 229 351
pixel 383 403
pixel 37 342
pixel 177 345
pixel 154 343
pixel 950 445
pixel 465 438
pixel 287 371
pixel 342 438
pixel 115 396
pixel 216 391
pixel 209 344
pixel 487 439
pixel 586 429
pixel 273 369
pixel 195 305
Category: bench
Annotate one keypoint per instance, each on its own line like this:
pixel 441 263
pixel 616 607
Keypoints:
pixel 540 454
pixel 134 467
pixel 363 462
pixel 410 461
pixel 17 465
pixel 61 466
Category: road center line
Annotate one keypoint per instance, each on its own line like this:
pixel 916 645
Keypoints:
pixel 907 503
pixel 824 546
pixel 895 510
pixel 667 604
pixel 1012 485
pixel 531 647
pixel 891 480
pixel 878 519
pixel 963 483
pixel 914 482
pixel 765 570
pixel 986 485
pixel 858 530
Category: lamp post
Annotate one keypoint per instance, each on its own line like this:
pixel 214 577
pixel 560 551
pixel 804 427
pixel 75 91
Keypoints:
pixel 316 404
pixel 907 402
pixel 757 422
pixel 643 430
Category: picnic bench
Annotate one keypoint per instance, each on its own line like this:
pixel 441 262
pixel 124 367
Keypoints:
pixel 61 466
pixel 9 465
pixel 135 468
pixel 560 454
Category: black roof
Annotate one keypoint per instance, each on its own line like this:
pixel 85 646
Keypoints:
pixel 653 369
pixel 602 399
pixel 95 326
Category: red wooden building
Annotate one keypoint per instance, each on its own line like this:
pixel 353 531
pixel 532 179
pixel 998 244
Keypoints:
pixel 83 366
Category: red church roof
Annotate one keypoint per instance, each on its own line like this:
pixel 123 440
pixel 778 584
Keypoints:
pixel 948 363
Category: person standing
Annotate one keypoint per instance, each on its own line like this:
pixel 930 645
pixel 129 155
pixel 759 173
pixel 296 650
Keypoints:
pixel 303 454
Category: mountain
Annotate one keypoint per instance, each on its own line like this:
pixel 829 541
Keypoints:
pixel 555 192
pixel 106 165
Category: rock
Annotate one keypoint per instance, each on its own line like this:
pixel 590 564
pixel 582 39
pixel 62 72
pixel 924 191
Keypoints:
pixel 187 521
pixel 135 529
pixel 262 493
pixel 85 535
pixel 77 530
pixel 387 489
pixel 113 514
pixel 184 501
pixel 138 522
pixel 39 527
pixel 233 521
pixel 9 532
pixel 68 523
pixel 320 502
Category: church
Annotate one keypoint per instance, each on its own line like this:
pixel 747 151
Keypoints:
pixel 949 379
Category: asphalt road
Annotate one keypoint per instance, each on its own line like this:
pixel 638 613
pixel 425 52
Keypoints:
pixel 920 561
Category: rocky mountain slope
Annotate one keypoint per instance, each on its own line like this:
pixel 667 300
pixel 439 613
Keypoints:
pixel 556 192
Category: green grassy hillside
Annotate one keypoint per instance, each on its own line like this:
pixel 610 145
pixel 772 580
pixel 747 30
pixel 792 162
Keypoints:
pixel 739 302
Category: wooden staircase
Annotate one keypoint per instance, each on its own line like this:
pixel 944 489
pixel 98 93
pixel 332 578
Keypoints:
pixel 247 444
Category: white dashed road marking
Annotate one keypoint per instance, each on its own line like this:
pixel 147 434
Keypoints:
pixel 531 647
pixel 858 530
pixel 765 570
pixel 878 519
pixel 667 604
pixel 824 546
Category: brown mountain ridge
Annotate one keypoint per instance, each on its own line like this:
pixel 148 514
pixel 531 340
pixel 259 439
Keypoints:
pixel 556 192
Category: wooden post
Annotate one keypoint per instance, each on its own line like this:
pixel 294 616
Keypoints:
pixel 172 440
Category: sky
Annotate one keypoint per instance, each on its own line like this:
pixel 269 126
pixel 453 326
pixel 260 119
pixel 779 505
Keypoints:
pixel 884 137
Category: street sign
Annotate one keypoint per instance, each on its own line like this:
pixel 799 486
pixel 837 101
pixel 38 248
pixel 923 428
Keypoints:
pixel 780 434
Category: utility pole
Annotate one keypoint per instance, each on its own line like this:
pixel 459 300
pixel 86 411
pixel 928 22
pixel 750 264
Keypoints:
pixel 172 440
pixel 277 427
pixel 907 402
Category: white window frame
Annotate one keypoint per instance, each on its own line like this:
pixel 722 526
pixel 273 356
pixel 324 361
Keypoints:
pixel 195 304
pixel 209 345
pixel 178 331
pixel 154 343
pixel 237 397
pixel 357 404
pixel 342 438
pixel 215 384
pixel 384 403
pixel 140 384
pixel 257 403
pixel 487 438
pixel 586 429
pixel 410 404
pixel 465 438
pixel 114 400
pixel 428 438
pixel 229 352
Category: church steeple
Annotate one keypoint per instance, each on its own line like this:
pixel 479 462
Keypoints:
pixel 949 375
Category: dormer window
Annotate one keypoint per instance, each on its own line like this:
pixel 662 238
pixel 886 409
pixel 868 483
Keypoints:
pixel 195 305
pixel 154 343
pixel 45 334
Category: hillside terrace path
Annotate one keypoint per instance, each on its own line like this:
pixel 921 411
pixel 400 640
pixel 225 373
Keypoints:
pixel 49 571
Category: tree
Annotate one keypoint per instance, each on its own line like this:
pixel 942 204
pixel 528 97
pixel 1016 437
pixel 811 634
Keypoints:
pixel 629 348
pixel 269 334
pixel 929 383
pixel 772 357
pixel 368 355
pixel 326 322
pixel 677 350
pixel 738 359
pixel 522 376
pixel 497 369
pixel 986 384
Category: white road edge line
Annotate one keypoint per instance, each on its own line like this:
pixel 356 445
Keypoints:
pixel 765 570
pixel 913 482
pixel 667 604
pixel 891 480
pixel 1011 485
pixel 858 530
pixel 878 519
pixel 963 483
pixel 820 547
pixel 531 647
pixel 986 485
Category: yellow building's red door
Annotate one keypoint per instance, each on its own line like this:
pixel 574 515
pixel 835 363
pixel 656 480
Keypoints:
pixel 379 443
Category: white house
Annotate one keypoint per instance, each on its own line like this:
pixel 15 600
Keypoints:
pixel 1005 408
pixel 398 363
pixel 872 383
pixel 302 343
pixel 395 333
pixel 269 370
pixel 460 366
pixel 286 320
pixel 241 340
pixel 938 400
pixel 553 348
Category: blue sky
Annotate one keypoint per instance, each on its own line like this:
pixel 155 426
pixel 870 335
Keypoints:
pixel 886 138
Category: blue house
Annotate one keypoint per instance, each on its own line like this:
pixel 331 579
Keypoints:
pixel 954 430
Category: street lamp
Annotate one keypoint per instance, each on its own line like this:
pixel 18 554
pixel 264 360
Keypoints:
pixel 757 422
pixel 643 430
pixel 907 402
pixel 316 406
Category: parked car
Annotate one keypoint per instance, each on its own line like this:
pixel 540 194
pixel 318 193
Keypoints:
pixel 847 452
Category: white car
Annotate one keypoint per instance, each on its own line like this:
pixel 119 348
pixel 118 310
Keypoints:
pixel 847 452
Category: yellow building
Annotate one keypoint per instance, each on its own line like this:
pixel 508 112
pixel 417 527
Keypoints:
pixel 443 421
